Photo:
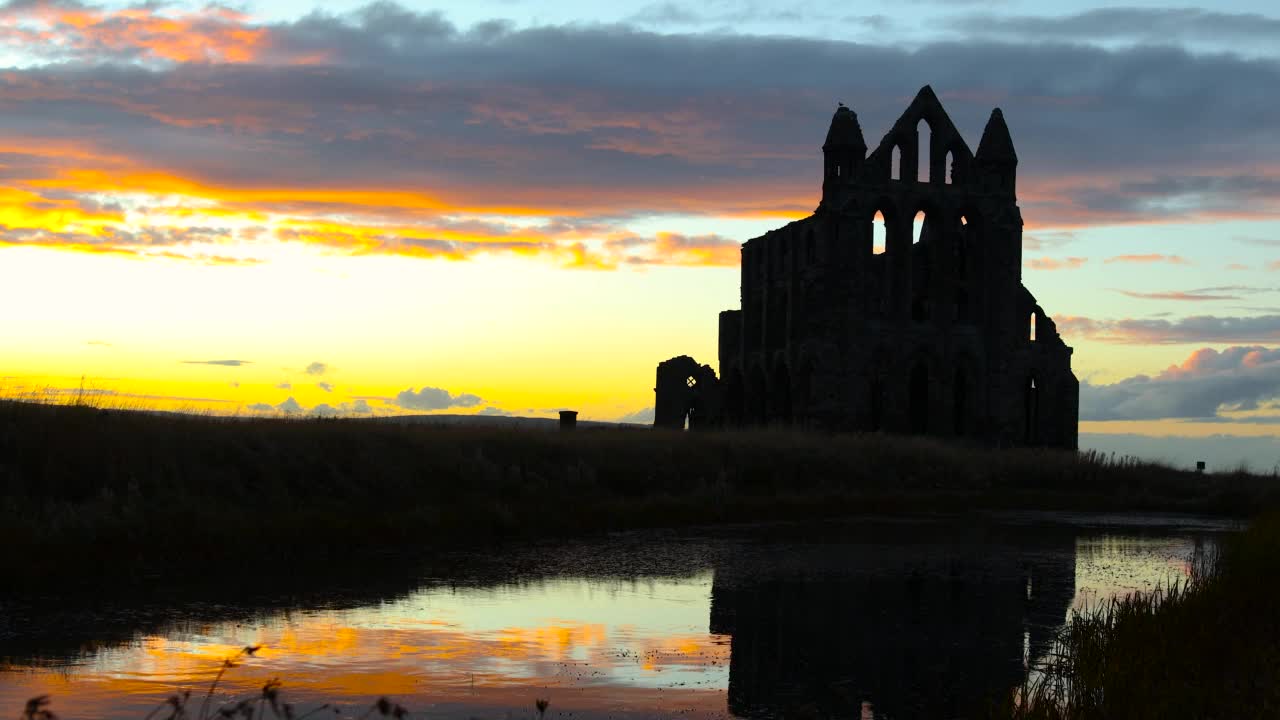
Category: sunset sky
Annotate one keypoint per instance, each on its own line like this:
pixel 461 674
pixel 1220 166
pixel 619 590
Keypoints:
pixel 510 207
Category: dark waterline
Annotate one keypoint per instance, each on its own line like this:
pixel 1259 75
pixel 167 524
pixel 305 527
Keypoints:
pixel 898 618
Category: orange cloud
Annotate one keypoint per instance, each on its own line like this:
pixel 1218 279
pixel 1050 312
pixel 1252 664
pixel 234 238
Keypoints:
pixel 23 209
pixel 1178 295
pixel 432 139
pixel 531 202
pixel 157 213
pixel 1046 263
pixel 1146 259
pixel 214 34
pixel 675 249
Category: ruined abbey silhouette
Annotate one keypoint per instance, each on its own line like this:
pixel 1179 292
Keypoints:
pixel 924 331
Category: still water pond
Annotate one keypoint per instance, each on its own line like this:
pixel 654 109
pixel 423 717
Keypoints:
pixel 921 617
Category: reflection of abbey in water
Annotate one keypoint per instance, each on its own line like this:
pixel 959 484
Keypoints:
pixel 914 634
pixel 897 305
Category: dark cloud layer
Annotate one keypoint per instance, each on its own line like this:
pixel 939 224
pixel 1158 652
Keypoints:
pixel 1163 25
pixel 1207 383
pixel 1159 331
pixel 612 121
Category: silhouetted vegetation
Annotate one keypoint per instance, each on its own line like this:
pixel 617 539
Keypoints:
pixel 1207 649
pixel 89 494
pixel 180 706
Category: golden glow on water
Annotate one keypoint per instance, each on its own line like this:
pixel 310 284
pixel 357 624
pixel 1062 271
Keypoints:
pixel 596 647
pixel 589 645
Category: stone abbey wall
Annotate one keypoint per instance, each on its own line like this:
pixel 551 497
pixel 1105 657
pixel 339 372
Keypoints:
pixel 898 305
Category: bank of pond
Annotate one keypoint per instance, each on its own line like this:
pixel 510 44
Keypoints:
pixel 92 496
pixel 1205 647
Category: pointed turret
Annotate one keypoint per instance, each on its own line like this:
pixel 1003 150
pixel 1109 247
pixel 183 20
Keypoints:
pixel 845 133
pixel 996 146
pixel 996 159
pixel 842 153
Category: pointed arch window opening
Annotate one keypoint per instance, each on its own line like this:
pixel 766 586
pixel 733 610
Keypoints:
pixel 895 163
pixel 879 234
pixel 917 227
pixel 923 152
pixel 949 171
pixel 1033 336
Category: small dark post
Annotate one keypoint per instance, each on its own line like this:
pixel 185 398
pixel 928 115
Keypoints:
pixel 568 419
pixel 1199 466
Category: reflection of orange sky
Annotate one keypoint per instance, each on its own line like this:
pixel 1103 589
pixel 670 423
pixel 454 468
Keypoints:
pixel 354 692
pixel 607 650
pixel 582 666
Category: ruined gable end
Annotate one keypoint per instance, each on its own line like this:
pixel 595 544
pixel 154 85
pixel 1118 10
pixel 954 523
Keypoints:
pixel 898 305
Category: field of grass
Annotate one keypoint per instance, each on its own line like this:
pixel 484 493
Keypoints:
pixel 1208 649
pixel 88 494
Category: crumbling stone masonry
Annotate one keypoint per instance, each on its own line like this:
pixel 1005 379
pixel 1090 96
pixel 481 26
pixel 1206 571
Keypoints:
pixel 687 390
pixel 898 305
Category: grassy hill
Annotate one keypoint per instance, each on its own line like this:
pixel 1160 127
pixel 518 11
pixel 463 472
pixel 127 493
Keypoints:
pixel 89 494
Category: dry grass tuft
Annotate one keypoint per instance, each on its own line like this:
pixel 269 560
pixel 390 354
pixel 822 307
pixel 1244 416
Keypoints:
pixel 175 707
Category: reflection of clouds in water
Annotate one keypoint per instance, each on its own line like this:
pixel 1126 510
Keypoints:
pixel 1111 566
pixel 938 602
pixel 604 642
